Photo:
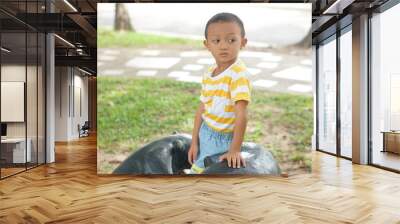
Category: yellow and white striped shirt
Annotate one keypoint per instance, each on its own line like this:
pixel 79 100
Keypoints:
pixel 219 94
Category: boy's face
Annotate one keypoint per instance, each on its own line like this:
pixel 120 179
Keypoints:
pixel 224 41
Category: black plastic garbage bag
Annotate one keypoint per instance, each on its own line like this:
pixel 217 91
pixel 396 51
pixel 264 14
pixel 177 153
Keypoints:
pixel 258 161
pixel 168 155
pixel 164 156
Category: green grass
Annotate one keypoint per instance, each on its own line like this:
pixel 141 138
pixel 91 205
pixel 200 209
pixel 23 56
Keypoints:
pixel 110 38
pixel 293 115
pixel 134 111
pixel 296 115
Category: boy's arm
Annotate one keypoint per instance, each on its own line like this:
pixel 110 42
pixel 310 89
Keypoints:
pixel 233 155
pixel 197 123
pixel 240 125
pixel 192 153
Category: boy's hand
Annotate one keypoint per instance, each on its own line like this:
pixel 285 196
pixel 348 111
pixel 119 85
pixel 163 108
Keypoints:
pixel 234 159
pixel 192 154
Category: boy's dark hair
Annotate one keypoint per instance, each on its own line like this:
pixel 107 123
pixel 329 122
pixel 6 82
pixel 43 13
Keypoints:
pixel 225 17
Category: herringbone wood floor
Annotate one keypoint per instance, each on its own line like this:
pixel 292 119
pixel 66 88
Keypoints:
pixel 69 191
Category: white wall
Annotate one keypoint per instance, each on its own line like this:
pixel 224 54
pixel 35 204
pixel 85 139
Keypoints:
pixel 69 84
pixel 33 127
pixel 14 73
pixel 62 81
pixel 80 82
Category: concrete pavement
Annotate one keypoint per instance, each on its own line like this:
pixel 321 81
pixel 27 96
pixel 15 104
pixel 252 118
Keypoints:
pixel 274 71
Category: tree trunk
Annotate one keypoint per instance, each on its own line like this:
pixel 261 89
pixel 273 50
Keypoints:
pixel 122 20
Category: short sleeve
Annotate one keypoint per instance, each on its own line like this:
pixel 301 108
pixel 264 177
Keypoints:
pixel 240 87
pixel 202 97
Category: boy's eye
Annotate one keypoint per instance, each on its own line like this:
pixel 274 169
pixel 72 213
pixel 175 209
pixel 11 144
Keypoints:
pixel 216 41
pixel 231 40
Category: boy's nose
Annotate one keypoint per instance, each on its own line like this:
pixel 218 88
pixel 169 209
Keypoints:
pixel 223 45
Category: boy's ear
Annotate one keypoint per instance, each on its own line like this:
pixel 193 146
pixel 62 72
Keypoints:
pixel 205 43
pixel 244 42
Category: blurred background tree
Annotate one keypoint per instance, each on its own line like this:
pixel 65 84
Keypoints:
pixel 122 20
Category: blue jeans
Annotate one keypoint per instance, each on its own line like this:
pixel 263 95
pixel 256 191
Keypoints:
pixel 211 142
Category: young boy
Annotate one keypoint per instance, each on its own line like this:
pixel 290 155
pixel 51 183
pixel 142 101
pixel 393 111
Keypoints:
pixel 221 118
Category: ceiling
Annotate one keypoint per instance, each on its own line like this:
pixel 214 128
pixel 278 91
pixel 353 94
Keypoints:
pixel 74 22
pixel 332 15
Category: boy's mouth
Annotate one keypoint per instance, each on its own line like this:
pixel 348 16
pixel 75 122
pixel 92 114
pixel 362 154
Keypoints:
pixel 223 54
